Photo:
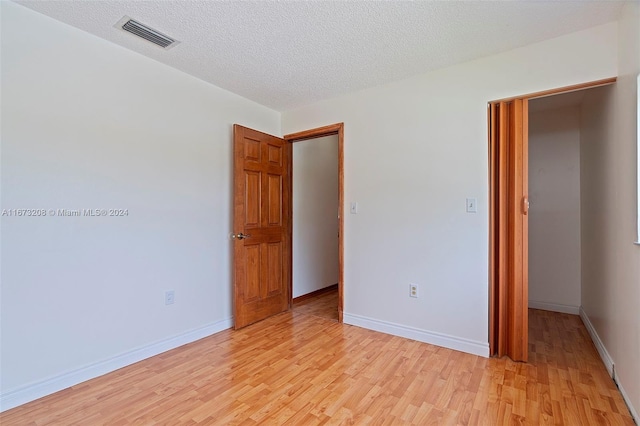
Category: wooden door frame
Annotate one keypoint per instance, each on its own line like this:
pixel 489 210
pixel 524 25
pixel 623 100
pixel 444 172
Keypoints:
pixel 332 129
pixel 496 198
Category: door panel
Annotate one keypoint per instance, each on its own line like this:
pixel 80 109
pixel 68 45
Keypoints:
pixel 275 200
pixel 252 199
pixel 275 155
pixel 252 150
pixel 262 214
pixel 252 265
pixel 509 229
pixel 518 243
pixel 274 260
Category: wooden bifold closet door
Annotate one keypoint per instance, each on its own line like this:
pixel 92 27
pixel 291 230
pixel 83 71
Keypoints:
pixel 508 253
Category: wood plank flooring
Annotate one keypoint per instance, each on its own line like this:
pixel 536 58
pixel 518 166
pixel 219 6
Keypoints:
pixel 324 305
pixel 300 368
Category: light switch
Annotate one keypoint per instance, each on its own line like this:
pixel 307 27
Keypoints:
pixel 354 207
pixel 472 205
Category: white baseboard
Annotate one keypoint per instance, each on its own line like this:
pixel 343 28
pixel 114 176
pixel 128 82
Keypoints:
pixel 554 307
pixel 608 362
pixel 451 342
pixel 33 391
pixel 626 398
pixel 606 358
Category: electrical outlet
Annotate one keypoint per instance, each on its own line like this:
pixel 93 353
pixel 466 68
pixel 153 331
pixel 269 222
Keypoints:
pixel 413 290
pixel 169 297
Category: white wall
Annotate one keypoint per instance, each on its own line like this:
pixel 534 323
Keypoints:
pixel 554 217
pixel 610 260
pixel 414 150
pixel 315 214
pixel 88 124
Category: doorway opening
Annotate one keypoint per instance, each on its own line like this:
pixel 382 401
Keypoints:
pixel 509 243
pixel 315 226
pixel 318 224
pixel 555 133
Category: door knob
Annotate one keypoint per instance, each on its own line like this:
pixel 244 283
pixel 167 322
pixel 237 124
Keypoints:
pixel 240 236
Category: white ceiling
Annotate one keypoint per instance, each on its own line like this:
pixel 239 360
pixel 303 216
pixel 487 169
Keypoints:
pixel 284 54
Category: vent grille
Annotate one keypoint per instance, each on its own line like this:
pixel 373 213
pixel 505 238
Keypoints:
pixel 147 33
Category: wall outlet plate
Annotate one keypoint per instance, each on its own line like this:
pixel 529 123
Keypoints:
pixel 169 297
pixel 413 290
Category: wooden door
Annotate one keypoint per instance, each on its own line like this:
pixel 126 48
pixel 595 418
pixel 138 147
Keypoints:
pixel 262 225
pixel 508 150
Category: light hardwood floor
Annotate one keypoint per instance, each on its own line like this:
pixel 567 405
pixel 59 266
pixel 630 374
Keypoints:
pixel 301 368
pixel 324 305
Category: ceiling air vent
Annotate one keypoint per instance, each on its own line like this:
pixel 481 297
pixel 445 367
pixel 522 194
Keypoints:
pixel 145 32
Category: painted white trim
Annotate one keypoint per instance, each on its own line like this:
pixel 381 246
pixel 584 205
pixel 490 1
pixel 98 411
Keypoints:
pixel 638 162
pixel 554 307
pixel 33 391
pixel 451 342
pixel 626 398
pixel 608 363
pixel 606 358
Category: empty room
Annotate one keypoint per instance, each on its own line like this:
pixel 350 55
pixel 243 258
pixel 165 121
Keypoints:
pixel 314 212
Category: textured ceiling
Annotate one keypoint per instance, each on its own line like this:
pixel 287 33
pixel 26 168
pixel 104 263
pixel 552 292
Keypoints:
pixel 284 54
